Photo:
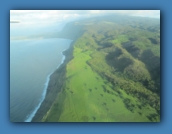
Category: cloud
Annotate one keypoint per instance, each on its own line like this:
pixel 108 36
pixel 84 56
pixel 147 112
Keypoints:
pixel 41 21
pixel 14 21
pixel 56 15
pixel 147 13
pixel 46 17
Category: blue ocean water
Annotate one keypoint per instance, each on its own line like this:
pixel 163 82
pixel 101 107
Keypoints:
pixel 31 63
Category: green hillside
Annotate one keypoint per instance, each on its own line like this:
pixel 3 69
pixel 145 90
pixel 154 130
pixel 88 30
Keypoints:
pixel 114 75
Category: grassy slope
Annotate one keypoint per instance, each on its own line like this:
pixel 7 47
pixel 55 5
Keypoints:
pixel 89 97
pixel 85 99
pixel 93 103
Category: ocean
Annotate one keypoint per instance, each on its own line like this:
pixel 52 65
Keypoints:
pixel 31 64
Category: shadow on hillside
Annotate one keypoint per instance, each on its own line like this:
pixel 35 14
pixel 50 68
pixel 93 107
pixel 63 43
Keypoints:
pixel 115 60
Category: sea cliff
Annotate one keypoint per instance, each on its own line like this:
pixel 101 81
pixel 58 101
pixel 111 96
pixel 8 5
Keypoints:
pixel 57 79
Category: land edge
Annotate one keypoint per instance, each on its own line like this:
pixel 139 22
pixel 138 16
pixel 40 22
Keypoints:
pixel 57 80
pixel 56 87
pixel 58 77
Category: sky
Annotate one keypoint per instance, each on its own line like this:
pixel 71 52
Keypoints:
pixel 51 16
pixel 26 21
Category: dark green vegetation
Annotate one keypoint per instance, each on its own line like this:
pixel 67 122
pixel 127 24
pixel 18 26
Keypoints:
pixel 114 75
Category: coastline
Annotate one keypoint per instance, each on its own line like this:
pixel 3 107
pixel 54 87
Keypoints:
pixel 53 87
pixel 30 117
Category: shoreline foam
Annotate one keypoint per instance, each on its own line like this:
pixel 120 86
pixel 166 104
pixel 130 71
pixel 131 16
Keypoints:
pixel 30 117
pixel 55 85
